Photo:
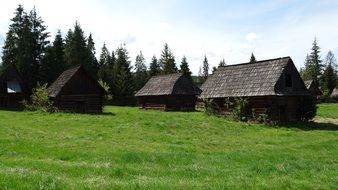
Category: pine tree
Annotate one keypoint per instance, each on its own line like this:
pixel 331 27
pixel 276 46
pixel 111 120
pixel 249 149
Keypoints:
pixel 53 63
pixel 316 62
pixel 93 65
pixel 123 81
pixel 205 68
pixel 106 68
pixel 10 50
pixel 104 61
pixel 167 61
pixel 329 78
pixel 222 63
pixel 185 68
pixel 306 71
pixel 252 58
pixel 76 52
pixel 25 44
pixel 141 75
pixel 154 68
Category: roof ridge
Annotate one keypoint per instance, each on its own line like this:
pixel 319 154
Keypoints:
pixel 260 61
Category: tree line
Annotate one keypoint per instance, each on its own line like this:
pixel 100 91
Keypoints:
pixel 39 60
pixel 323 72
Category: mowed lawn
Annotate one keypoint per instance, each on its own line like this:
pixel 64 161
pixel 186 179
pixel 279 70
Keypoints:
pixel 328 110
pixel 128 148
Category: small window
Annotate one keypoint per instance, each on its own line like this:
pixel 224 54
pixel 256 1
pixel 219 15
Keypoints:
pixel 288 80
pixel 13 87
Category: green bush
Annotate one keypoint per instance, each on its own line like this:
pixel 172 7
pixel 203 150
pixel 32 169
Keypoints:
pixel 106 87
pixel 39 100
pixel 239 108
pixel 210 107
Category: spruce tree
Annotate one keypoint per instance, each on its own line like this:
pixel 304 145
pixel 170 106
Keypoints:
pixel 252 58
pixel 141 75
pixel 93 65
pixel 222 63
pixel 167 61
pixel 76 52
pixel 316 62
pixel 205 68
pixel 103 63
pixel 306 71
pixel 185 68
pixel 154 68
pixel 123 81
pixel 329 78
pixel 53 63
pixel 25 44
pixel 10 50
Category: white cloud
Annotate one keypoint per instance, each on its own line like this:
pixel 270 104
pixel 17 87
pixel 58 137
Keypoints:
pixel 250 37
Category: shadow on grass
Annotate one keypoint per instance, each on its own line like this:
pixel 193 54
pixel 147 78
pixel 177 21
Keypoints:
pixel 11 109
pixel 311 126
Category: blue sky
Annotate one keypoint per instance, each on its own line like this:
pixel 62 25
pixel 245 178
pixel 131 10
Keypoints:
pixel 194 28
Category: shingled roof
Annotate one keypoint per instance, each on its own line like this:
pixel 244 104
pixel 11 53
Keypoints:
pixel 313 87
pixel 172 84
pixel 245 80
pixel 56 87
pixel 334 93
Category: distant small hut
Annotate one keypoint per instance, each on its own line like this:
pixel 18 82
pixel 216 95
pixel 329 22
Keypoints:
pixel 169 92
pixel 13 89
pixel 334 93
pixel 76 91
pixel 271 87
pixel 313 88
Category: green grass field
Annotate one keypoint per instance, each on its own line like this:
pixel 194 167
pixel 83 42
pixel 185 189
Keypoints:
pixel 328 111
pixel 128 148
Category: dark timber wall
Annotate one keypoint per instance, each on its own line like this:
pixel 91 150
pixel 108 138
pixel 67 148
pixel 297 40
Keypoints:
pixel 81 94
pixel 169 102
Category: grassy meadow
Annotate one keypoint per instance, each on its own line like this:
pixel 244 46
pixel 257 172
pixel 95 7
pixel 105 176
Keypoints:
pixel 328 110
pixel 128 148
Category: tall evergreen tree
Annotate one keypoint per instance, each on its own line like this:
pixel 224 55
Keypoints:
pixel 14 36
pixel 104 61
pixel 25 43
pixel 252 58
pixel 154 68
pixel 205 68
pixel 106 68
pixel 306 71
pixel 76 52
pixel 53 63
pixel 329 75
pixel 123 81
pixel 167 61
pixel 141 74
pixel 185 68
pixel 222 63
pixel 316 62
pixel 93 65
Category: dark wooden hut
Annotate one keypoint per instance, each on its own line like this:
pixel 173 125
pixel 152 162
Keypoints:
pixel 272 87
pixel 313 88
pixel 13 89
pixel 76 91
pixel 169 92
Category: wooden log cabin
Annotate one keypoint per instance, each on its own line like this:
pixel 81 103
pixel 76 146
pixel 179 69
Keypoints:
pixel 13 88
pixel 272 87
pixel 75 90
pixel 313 88
pixel 168 92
